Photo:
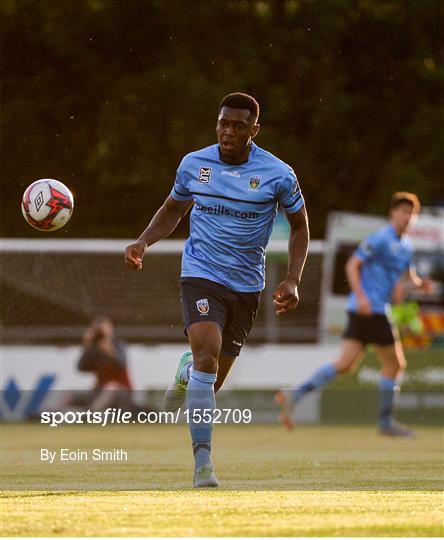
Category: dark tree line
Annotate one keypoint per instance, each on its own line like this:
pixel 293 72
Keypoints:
pixel 108 95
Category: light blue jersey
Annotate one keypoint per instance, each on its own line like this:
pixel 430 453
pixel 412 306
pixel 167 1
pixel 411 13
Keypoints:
pixel 233 213
pixel 386 257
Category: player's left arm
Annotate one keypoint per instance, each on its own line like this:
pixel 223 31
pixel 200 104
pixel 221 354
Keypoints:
pixel 408 281
pixel 286 296
pixel 426 285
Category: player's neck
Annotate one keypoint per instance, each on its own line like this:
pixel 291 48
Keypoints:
pixel 399 232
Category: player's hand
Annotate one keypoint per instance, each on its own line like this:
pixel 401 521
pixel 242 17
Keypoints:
pixel 364 306
pixel 134 255
pixel 428 286
pixel 285 297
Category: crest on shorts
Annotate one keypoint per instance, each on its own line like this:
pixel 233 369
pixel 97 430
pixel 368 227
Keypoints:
pixel 203 306
pixel 205 175
pixel 254 182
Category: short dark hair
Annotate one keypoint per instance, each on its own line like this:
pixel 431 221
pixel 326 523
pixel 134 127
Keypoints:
pixel 404 197
pixel 239 100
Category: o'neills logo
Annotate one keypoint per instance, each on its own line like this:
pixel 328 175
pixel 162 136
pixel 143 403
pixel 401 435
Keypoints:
pixel 254 182
pixel 236 174
pixel 203 306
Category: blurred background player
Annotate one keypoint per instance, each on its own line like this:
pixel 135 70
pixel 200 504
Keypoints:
pixel 234 187
pixel 105 356
pixel 372 271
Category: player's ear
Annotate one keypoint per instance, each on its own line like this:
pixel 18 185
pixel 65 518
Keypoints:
pixel 255 130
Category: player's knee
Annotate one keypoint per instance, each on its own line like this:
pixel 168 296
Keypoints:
pixel 343 367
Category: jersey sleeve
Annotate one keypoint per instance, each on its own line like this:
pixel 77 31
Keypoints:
pixel 290 194
pixel 369 247
pixel 180 191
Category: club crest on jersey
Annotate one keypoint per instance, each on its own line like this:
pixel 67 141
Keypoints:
pixel 203 307
pixel 204 175
pixel 366 248
pixel 254 182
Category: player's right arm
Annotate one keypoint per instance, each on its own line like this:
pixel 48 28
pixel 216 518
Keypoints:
pixel 368 249
pixel 162 225
pixel 353 273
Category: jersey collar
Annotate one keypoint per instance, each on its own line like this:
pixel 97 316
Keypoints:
pixel 394 232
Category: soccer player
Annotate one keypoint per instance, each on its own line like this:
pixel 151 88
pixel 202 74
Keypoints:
pixel 372 272
pixel 234 188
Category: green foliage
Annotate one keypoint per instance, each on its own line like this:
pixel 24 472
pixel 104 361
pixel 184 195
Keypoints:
pixel 108 95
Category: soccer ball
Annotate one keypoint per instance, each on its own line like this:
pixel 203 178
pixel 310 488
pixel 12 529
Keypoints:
pixel 47 204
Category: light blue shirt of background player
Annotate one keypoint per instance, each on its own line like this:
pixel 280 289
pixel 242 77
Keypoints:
pixel 385 256
pixel 233 214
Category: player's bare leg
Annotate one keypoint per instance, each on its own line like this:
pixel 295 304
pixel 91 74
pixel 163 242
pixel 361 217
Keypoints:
pixel 206 341
pixel 350 355
pixel 393 359
pixel 224 367
pixel 393 365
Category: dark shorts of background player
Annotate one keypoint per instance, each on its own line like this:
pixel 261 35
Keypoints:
pixel 375 329
pixel 233 311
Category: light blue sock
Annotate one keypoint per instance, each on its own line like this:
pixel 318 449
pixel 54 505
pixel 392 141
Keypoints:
pixel 324 375
pixel 200 396
pixel 387 389
pixel 186 371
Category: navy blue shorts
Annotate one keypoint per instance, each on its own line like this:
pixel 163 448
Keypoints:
pixel 373 329
pixel 234 312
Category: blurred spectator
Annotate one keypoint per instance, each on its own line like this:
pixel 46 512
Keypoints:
pixel 105 356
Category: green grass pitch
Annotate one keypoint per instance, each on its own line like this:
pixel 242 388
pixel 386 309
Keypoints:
pixel 315 481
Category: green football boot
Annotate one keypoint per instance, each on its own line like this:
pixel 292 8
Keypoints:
pixel 204 477
pixel 177 390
